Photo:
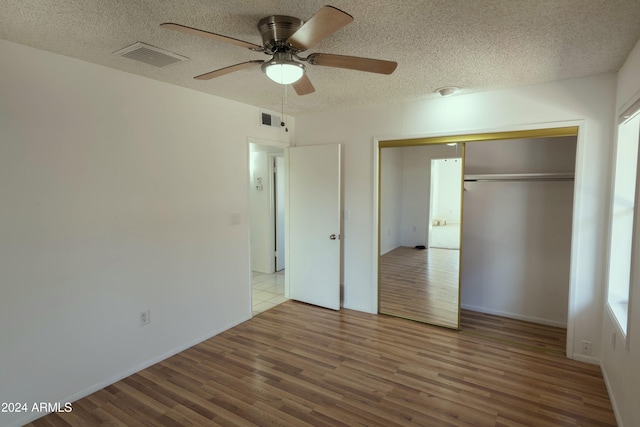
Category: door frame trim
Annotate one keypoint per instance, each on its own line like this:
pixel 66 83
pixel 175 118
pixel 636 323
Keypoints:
pixel 545 129
pixel 273 174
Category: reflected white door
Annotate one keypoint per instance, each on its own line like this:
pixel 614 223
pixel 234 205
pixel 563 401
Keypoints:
pixel 313 252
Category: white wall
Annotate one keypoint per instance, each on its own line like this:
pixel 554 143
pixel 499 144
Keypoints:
pixel 117 195
pixel 619 362
pixel 517 235
pixel 519 156
pixel 416 189
pixel 391 201
pixel 587 102
pixel 516 246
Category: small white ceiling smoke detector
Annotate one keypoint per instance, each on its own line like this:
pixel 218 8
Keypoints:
pixel 447 90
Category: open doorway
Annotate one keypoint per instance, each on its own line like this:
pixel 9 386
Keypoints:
pixel 445 203
pixel 278 174
pixel 266 208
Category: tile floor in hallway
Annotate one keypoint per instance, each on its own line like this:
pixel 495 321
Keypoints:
pixel 267 290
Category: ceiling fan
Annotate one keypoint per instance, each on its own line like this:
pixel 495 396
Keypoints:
pixel 284 38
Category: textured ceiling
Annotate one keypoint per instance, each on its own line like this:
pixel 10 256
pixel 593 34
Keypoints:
pixel 475 44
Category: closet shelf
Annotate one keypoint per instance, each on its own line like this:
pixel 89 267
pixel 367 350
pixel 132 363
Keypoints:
pixel 519 177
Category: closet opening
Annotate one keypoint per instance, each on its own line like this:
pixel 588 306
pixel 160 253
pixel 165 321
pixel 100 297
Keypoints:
pixel 516 229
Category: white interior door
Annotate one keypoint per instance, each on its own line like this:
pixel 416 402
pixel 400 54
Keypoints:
pixel 313 252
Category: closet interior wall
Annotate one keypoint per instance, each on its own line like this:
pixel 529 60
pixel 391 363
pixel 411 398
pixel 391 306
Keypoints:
pixel 516 237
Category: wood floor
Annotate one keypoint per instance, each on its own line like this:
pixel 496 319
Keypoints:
pixel 534 336
pixel 421 285
pixel 300 365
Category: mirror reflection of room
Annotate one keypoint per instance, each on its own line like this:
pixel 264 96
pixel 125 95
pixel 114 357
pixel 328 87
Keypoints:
pixel 420 213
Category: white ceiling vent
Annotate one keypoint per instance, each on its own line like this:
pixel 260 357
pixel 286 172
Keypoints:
pixel 150 55
pixel 267 119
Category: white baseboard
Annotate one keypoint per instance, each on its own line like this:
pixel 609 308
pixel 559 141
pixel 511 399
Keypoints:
pixel 586 359
pixel 515 316
pixel 102 384
pixel 389 250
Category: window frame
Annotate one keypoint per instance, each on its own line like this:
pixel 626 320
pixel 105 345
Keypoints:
pixel 617 302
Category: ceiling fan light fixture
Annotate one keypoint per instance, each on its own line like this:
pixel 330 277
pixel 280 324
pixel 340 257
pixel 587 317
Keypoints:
pixel 284 37
pixel 282 69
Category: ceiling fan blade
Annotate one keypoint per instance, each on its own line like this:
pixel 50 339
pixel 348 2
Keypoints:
pixel 214 36
pixel 226 70
pixel 325 22
pixel 353 63
pixel 303 86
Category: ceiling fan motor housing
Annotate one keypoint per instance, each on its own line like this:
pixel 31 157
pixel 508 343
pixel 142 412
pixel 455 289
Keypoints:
pixel 283 38
pixel 276 30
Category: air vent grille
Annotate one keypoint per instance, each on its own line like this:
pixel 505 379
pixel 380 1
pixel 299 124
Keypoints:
pixel 150 55
pixel 267 119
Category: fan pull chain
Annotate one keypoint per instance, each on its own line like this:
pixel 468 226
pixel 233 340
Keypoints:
pixel 284 95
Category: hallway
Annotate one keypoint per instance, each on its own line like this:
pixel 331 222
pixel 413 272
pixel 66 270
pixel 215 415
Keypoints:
pixel 267 290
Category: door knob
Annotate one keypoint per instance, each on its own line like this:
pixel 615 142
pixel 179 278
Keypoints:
pixel 333 237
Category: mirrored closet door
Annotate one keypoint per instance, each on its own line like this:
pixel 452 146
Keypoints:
pixel 420 205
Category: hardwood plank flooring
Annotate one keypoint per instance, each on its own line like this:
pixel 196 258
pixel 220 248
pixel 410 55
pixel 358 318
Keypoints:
pixel 300 365
pixel 515 332
pixel 421 285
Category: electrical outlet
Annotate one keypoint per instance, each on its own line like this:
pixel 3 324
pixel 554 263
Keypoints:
pixel 586 348
pixel 145 317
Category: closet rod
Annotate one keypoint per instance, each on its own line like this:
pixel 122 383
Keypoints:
pixel 520 177
pixel 519 180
